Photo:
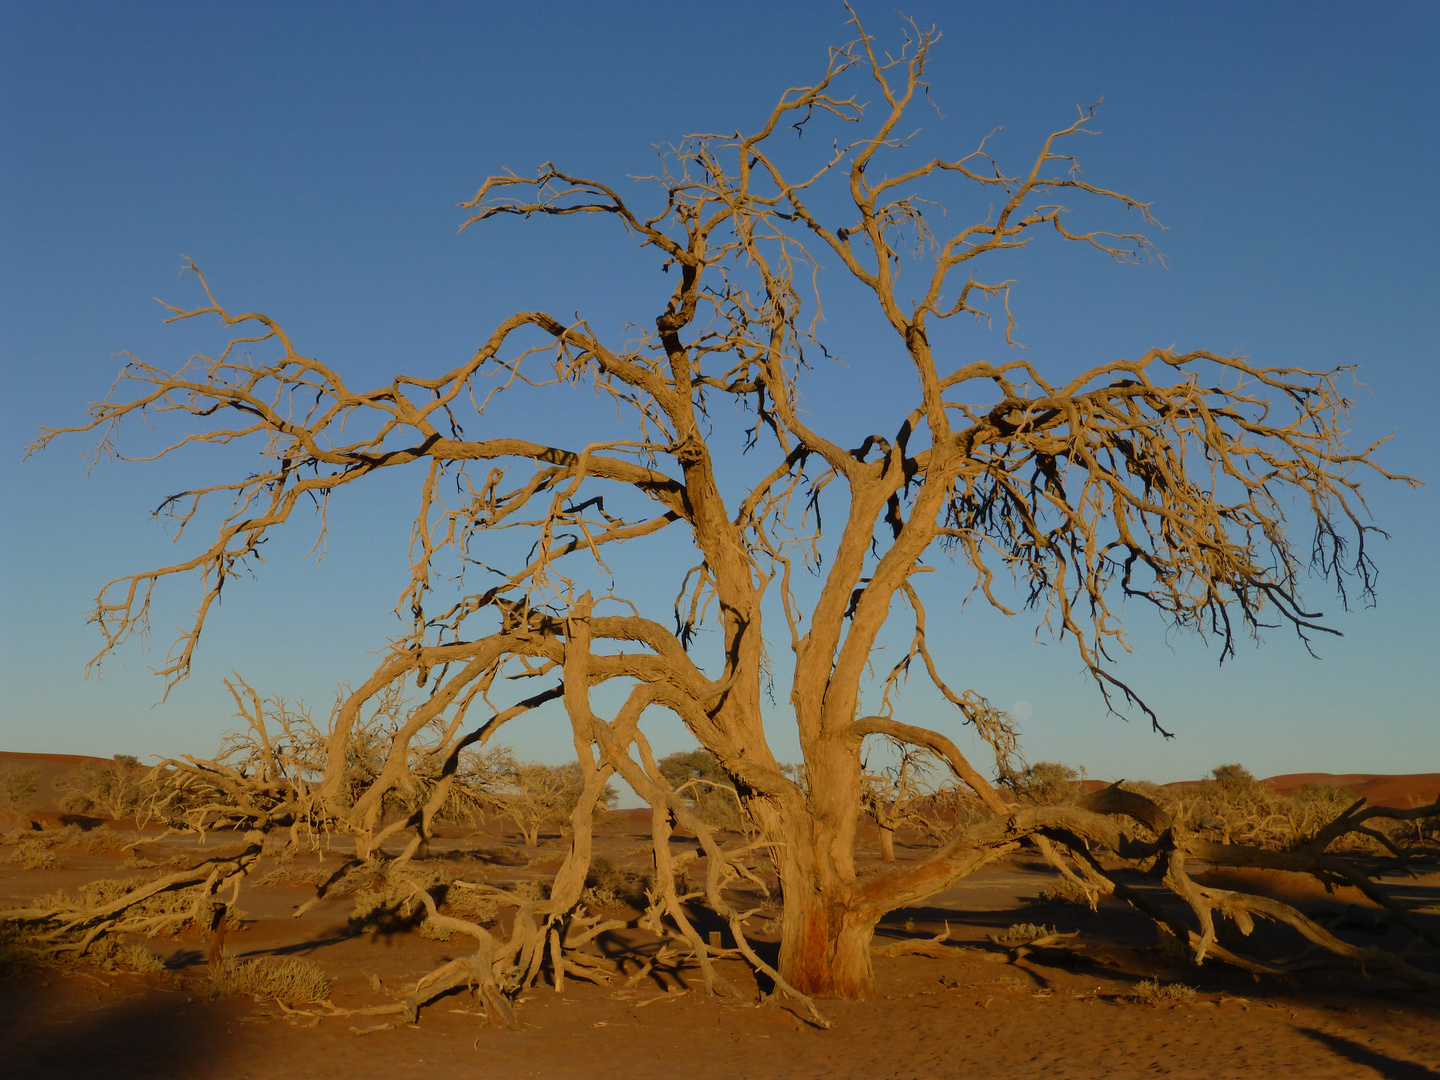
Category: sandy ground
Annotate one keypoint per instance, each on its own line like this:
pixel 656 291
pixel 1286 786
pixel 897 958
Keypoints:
pixel 973 1014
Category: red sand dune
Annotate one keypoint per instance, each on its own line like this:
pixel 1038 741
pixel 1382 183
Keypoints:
pixel 1401 791
pixel 1411 789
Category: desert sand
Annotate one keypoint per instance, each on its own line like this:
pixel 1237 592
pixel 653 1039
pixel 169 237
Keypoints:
pixel 978 1013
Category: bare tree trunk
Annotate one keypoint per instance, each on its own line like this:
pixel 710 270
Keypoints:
pixel 825 940
pixel 215 950
pixel 887 843
pixel 825 946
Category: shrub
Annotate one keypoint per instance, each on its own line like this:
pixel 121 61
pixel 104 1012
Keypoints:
pixel 111 955
pixel 471 904
pixel 1154 992
pixel 138 958
pixel 1233 777
pixel 1044 783
pixel 386 898
pixel 1063 891
pixel 111 788
pixel 18 785
pixel 288 980
pixel 32 854
pixel 607 884
pixel 1025 932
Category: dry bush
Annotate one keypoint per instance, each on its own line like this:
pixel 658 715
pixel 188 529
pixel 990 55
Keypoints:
pixel 111 789
pixel 1046 783
pixel 18 786
pixel 607 885
pixel 32 855
pixel 471 904
pixel 1154 992
pixel 1025 932
pixel 1232 807
pixel 290 876
pixel 1062 891
pixel 288 980
pixel 388 896
pixel 112 955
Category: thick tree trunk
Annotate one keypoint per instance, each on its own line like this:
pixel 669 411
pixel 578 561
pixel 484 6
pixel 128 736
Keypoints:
pixel 825 949
pixel 887 843
pixel 825 940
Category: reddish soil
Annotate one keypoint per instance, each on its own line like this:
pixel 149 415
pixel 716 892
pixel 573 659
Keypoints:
pixel 972 1015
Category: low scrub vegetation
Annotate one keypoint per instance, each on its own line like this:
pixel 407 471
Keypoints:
pixel 288 980
pixel 19 785
pixel 1154 992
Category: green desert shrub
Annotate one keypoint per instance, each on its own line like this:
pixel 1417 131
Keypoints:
pixel 288 980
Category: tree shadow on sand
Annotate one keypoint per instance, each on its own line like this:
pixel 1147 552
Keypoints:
pixel 1385 1065
pixel 146 1037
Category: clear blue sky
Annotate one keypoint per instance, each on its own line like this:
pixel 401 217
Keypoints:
pixel 310 156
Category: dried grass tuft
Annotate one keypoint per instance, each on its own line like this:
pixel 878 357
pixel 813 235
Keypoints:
pixel 1154 992
pixel 288 980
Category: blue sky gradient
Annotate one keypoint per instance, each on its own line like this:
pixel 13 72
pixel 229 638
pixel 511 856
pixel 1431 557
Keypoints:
pixel 310 159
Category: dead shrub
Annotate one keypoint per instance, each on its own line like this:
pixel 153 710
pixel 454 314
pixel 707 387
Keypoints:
pixel 112 955
pixel 173 909
pixel 607 885
pixel 101 840
pixel 471 904
pixel 288 980
pixel 1025 932
pixel 113 788
pixel 434 932
pixel 1062 891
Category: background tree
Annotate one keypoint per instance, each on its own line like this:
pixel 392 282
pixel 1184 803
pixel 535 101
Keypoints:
pixel 697 777
pixel 19 785
pixel 1167 480
pixel 112 788
pixel 915 790
pixel 536 796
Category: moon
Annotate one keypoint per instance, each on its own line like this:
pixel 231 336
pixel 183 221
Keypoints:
pixel 1021 710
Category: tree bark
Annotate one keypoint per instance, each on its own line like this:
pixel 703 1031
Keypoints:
pixel 825 936
pixel 887 843
pixel 825 947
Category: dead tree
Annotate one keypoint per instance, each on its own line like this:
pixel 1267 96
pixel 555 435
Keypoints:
pixel 1165 480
